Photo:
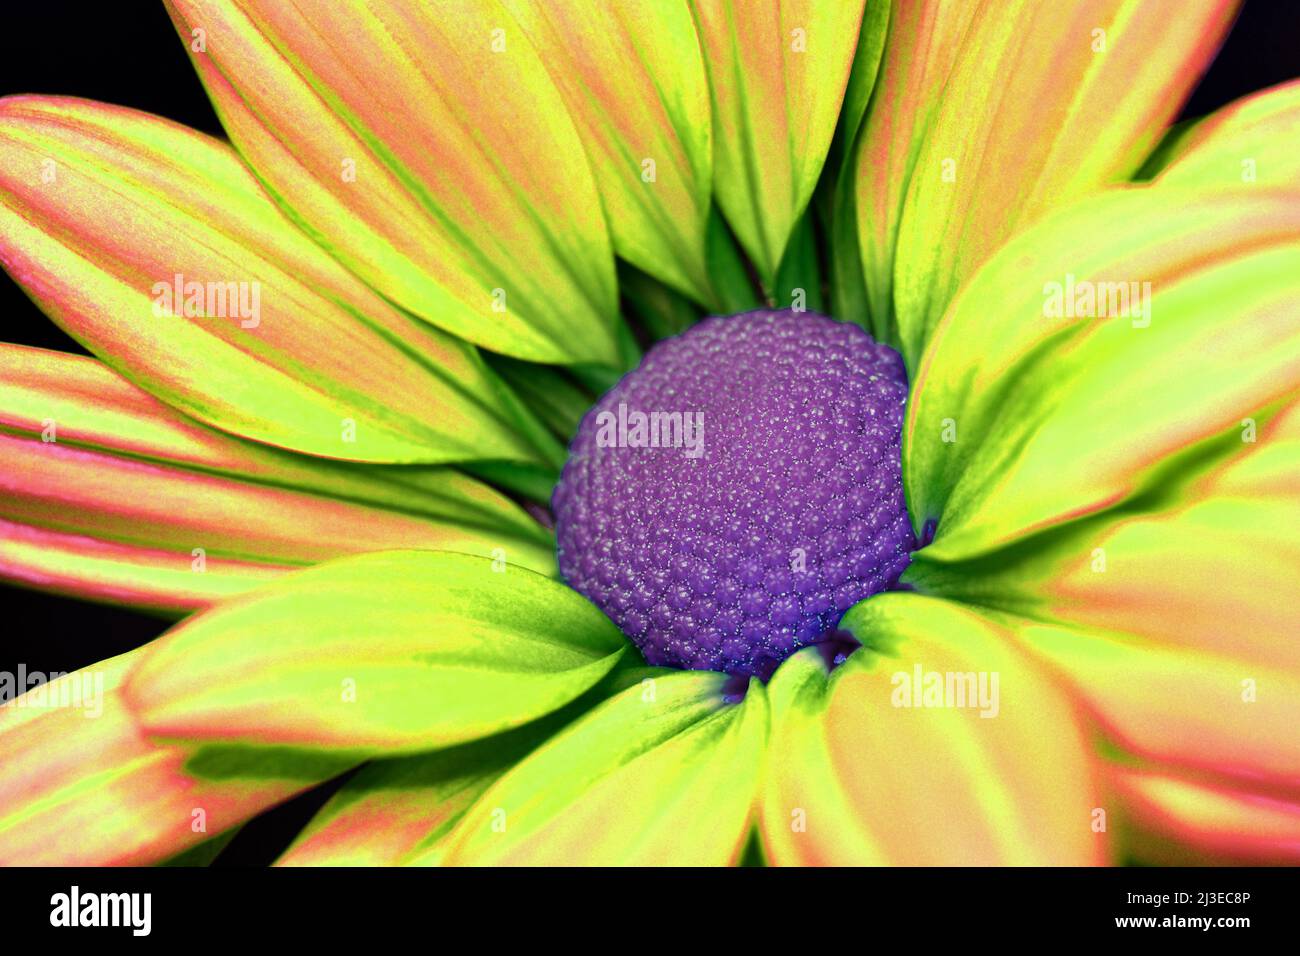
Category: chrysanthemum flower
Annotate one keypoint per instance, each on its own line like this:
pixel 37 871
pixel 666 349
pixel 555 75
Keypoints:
pixel 996 565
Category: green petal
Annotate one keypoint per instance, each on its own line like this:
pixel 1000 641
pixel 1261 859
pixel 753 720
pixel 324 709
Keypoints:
pixel 778 75
pixel 556 397
pixel 653 306
pixel 382 653
pixel 663 773
pixel 862 79
pixel 1022 419
pixel 103 208
pixel 425 146
pixel 798 283
pixel 1252 141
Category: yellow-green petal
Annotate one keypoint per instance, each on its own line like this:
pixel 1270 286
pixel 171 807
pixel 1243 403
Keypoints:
pixel 633 80
pixel 989 115
pixel 1115 348
pixel 156 248
pixel 778 73
pixel 663 773
pixel 937 743
pixel 391 652
pixel 425 146
pixel 1252 142
pixel 403 806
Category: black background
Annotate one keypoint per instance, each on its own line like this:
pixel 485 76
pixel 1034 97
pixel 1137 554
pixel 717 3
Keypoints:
pixel 127 52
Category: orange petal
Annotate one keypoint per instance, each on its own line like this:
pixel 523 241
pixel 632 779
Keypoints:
pixel 108 493
pixel 988 115
pixel 80 785
pixel 1231 715
pixel 876 766
pixel 155 247
pixel 1189 821
pixel 425 146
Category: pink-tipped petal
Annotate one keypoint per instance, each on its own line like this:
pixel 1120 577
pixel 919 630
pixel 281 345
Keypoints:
pixel 425 146
pixel 108 493
pixel 156 248
pixel 1176 821
pixel 987 115
pixel 81 785
pixel 938 743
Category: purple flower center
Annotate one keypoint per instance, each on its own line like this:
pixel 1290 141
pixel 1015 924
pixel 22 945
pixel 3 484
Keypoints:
pixel 738 491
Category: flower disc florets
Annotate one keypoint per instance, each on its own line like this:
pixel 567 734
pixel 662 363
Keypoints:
pixel 738 491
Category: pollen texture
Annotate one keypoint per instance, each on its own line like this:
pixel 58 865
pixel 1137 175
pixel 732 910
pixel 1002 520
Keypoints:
pixel 739 490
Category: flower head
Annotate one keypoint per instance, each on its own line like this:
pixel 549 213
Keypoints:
pixel 1041 466
pixel 755 497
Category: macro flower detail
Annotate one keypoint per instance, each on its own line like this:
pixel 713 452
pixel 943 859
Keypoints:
pixel 980 365
pixel 754 498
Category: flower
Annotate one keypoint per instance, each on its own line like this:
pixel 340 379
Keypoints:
pixel 336 354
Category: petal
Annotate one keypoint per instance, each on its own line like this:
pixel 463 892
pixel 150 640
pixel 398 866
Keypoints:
pixel 636 89
pixel 391 809
pixel 860 773
pixel 1220 824
pixel 1250 141
pixel 1026 414
pixel 1185 568
pixel 108 493
pixel 103 208
pixel 1229 715
pixel 556 397
pixel 381 653
pixel 425 146
pixel 663 773
pixel 404 807
pixel 946 175
pixel 778 73
pixel 82 786
pixel 1167 616
pixel 862 78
